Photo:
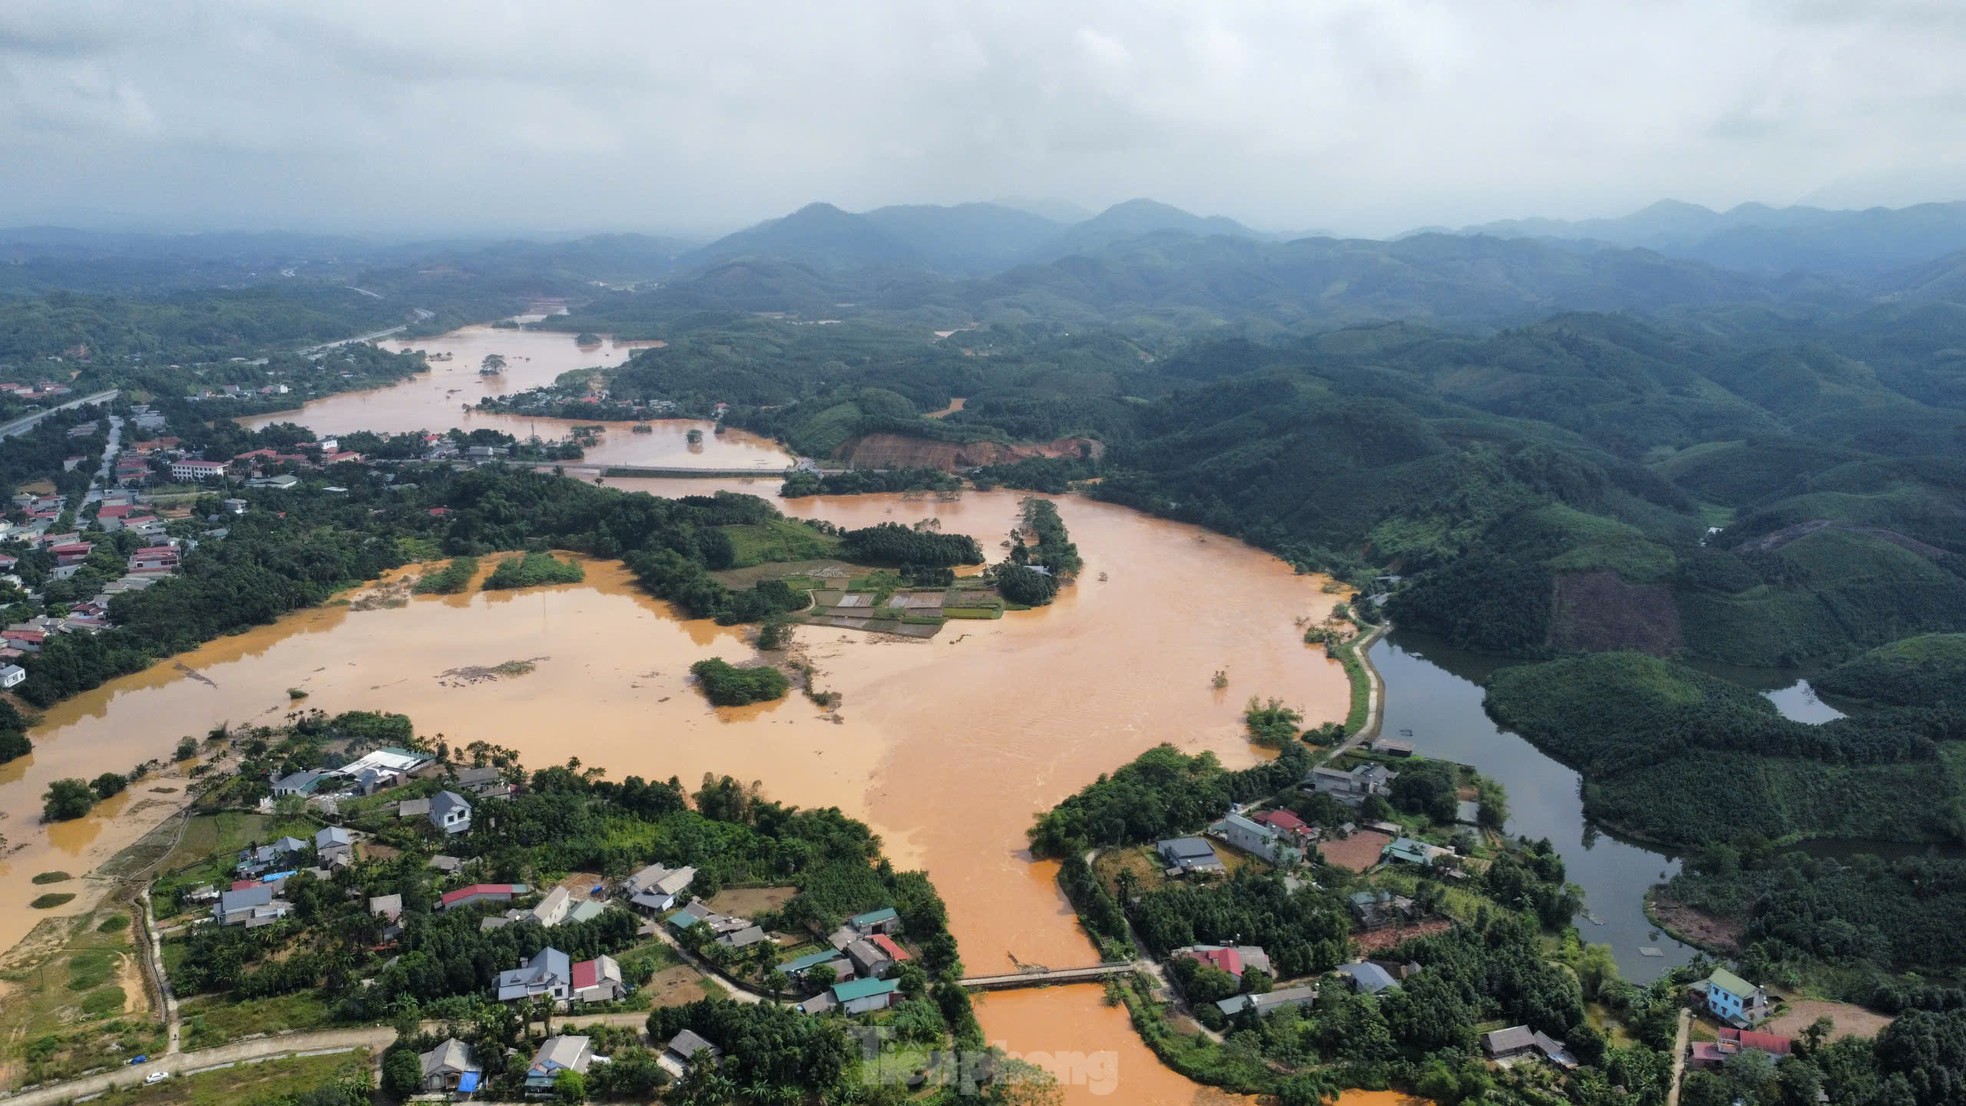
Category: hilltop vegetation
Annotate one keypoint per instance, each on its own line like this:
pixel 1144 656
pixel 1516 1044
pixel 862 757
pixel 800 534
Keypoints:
pixel 1925 670
pixel 1675 756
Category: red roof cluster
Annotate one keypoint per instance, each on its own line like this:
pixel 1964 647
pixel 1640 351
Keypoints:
pixel 1772 1043
pixel 1283 821
pixel 1229 960
pixel 476 889
pixel 887 945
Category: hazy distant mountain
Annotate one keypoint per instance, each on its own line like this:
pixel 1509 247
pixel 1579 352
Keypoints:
pixel 1317 281
pixel 966 238
pixel 1135 218
pixel 816 234
pixel 1760 238
pixel 963 240
pixel 1058 211
pixel 1171 277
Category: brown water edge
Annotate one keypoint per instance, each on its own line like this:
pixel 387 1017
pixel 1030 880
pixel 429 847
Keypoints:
pixel 437 401
pixel 948 748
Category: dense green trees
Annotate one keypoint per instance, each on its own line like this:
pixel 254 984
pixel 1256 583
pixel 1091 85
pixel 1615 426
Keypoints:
pixel 13 734
pixel 765 1045
pixel 800 484
pixel 1024 585
pixel 1924 671
pixel 1303 931
pixel 1161 793
pixel 1271 724
pixel 891 543
pixel 727 685
pixel 67 800
pixel 1667 752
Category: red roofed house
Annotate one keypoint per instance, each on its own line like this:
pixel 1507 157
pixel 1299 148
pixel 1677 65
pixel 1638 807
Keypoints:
pixel 1284 821
pixel 115 510
pixel 479 893
pixel 598 980
pixel 1732 1042
pixel 1773 1044
pixel 887 945
pixel 1227 959
pixel 29 640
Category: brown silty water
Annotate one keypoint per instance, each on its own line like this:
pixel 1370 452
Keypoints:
pixel 445 397
pixel 948 748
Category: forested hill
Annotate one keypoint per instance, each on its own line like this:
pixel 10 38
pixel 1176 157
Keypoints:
pixel 1544 487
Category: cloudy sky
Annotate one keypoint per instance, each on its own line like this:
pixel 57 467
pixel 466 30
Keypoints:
pixel 1363 116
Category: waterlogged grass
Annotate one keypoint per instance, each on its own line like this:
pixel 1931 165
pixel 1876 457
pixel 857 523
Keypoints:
pixel 52 877
pixel 534 570
pixel 51 900
pixel 452 579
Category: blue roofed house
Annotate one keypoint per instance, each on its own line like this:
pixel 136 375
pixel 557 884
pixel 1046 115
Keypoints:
pixel 302 782
pixel 333 845
pixel 1354 786
pixel 1257 839
pixel 828 958
pixel 449 812
pixel 1368 978
pixel 549 972
pixel 251 907
pixel 253 861
pixel 1268 1001
pixel 1734 1000
pixel 446 1067
pixel 555 1055
pixel 1184 855
pixel 656 888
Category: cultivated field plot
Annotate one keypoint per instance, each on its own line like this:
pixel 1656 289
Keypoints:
pixel 1355 853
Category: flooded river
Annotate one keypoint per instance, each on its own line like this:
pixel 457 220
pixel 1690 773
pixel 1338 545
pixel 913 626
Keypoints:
pixel 948 747
pixel 445 397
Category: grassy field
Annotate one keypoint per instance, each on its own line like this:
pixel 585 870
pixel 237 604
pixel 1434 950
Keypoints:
pixel 215 1020
pixel 210 844
pixel 776 540
pixel 247 1084
pixel 74 997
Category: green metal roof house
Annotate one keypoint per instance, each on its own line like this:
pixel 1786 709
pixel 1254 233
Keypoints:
pixel 884 920
pixel 861 996
pixel 1408 851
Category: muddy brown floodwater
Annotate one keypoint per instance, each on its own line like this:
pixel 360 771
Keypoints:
pixel 948 748
pixel 439 399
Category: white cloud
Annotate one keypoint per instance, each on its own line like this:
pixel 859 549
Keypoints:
pixel 1367 115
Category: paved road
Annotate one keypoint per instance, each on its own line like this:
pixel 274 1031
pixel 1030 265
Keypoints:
pixel 239 1052
pixel 28 422
pixel 312 350
pixel 1679 1056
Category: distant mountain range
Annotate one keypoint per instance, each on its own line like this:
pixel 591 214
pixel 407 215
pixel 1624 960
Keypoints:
pixel 1759 238
pixel 963 240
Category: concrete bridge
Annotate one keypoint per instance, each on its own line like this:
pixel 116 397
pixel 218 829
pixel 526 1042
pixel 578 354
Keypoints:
pixel 1046 977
